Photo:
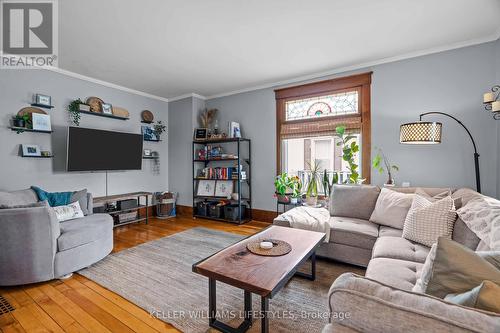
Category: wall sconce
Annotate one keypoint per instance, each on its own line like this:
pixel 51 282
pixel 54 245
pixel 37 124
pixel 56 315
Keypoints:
pixel 491 101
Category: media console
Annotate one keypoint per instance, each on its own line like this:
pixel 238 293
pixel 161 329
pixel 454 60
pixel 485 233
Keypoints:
pixel 124 208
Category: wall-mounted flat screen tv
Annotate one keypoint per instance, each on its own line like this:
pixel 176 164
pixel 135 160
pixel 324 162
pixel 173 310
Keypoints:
pixel 98 150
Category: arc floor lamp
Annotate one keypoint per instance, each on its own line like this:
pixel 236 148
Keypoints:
pixel 426 132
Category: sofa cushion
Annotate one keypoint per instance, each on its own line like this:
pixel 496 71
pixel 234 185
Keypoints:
pixel 357 201
pixel 399 248
pixel 17 198
pixel 84 230
pixel 396 273
pixel 353 232
pixel 486 296
pixel 384 231
pixel 391 208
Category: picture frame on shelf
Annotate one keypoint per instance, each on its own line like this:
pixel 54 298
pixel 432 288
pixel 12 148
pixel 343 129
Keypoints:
pixel 107 108
pixel 206 188
pixel 84 107
pixel 234 130
pixel 224 188
pixel 29 150
pixel 147 153
pixel 200 133
pixel 149 133
pixel 41 122
pixel 43 100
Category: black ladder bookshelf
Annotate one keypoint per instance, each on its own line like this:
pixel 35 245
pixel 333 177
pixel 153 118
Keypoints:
pixel 243 187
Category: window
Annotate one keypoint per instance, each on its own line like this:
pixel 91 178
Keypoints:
pixel 307 116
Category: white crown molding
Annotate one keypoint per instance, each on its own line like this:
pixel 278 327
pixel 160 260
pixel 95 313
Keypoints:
pixel 339 70
pixel 104 83
pixel 190 95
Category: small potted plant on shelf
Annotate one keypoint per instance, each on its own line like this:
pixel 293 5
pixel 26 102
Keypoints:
pixel 159 128
pixel 74 111
pixel 20 121
pixel 296 186
pixel 282 184
pixel 380 158
pixel 312 186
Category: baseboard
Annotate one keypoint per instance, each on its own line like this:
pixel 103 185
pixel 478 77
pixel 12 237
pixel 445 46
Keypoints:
pixel 257 214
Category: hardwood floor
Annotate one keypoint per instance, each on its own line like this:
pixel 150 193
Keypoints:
pixel 80 305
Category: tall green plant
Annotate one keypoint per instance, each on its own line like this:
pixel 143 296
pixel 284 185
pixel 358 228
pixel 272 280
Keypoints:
pixel 312 186
pixel 380 158
pixel 327 184
pixel 349 149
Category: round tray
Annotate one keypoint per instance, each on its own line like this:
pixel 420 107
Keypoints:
pixel 280 248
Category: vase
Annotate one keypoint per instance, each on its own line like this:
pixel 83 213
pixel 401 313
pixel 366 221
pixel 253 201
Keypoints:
pixel 311 201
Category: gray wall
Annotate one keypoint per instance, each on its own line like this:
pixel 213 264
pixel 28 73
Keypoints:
pixel 16 90
pixel 497 82
pixel 182 121
pixel 451 82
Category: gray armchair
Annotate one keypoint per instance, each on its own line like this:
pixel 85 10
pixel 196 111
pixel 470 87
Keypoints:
pixel 35 247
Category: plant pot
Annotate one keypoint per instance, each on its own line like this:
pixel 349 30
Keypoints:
pixel 311 201
pixel 294 201
pixel 283 198
pixel 19 123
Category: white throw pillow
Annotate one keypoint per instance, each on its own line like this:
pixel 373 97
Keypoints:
pixel 427 221
pixel 68 212
pixel 482 216
pixel 391 208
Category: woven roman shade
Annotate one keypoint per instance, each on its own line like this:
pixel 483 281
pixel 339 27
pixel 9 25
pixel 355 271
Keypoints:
pixel 323 127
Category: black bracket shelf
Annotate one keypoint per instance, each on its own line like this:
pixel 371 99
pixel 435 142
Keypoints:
pixel 22 129
pixel 149 140
pixel 42 106
pixel 51 156
pixel 105 115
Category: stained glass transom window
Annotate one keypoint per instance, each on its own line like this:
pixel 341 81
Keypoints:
pixel 322 106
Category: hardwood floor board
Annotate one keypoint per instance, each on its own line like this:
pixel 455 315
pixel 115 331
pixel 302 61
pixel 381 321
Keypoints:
pixel 13 328
pixel 44 318
pixel 28 321
pixel 79 314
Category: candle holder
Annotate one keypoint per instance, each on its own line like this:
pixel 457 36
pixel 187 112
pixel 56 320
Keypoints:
pixel 491 102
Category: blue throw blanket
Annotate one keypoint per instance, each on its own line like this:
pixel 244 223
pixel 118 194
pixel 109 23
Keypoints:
pixel 54 199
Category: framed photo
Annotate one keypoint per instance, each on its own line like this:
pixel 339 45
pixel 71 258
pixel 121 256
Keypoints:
pixel 43 100
pixel 148 133
pixel 147 152
pixel 41 122
pixel 107 108
pixel 30 150
pixel 84 107
pixel 223 188
pixel 200 133
pixel 234 130
pixel 206 188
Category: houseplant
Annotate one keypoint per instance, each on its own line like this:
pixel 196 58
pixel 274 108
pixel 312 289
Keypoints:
pixel 349 149
pixel 327 183
pixel 20 120
pixel 74 111
pixel 282 184
pixel 159 128
pixel 296 186
pixel 380 158
pixel 312 186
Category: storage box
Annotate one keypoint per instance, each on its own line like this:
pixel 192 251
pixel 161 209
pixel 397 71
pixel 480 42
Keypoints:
pixel 126 217
pixel 216 211
pixel 202 208
pixel 127 204
pixel 231 212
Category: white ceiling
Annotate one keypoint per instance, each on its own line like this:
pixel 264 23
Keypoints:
pixel 173 47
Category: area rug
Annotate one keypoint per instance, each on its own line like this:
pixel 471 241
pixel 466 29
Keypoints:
pixel 158 277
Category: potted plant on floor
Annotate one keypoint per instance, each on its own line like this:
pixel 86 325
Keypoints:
pixel 349 149
pixel 380 158
pixel 282 184
pixel 312 186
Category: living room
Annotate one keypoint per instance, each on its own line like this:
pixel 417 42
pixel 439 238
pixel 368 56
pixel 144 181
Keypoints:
pixel 274 166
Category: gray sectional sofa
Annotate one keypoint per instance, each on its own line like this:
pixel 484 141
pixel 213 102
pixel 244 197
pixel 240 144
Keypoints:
pixel 382 301
pixel 35 246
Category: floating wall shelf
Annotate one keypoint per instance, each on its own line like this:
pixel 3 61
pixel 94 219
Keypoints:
pixel 42 106
pixel 112 116
pixel 22 129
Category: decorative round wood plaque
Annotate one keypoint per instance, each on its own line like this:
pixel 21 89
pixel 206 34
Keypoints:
pixel 280 248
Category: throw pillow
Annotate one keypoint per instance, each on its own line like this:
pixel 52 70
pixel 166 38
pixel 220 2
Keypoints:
pixel 54 199
pixel 452 268
pixel 427 221
pixel 391 208
pixel 486 296
pixel 482 216
pixel 356 201
pixel 457 201
pixel 81 197
pixel 68 212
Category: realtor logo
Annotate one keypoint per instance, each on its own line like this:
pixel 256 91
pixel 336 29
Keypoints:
pixel 29 33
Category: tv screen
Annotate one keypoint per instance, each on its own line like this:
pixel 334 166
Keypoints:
pixel 97 150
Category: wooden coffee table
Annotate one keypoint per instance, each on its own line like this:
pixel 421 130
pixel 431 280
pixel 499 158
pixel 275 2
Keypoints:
pixel 261 275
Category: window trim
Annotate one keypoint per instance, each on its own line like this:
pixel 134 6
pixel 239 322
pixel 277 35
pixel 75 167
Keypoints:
pixel 360 82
